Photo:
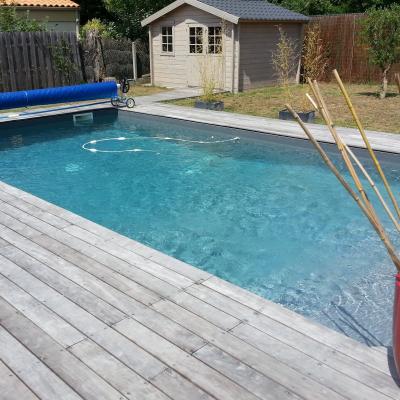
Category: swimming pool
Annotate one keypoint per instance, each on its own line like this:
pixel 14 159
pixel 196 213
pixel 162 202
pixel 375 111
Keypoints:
pixel 262 212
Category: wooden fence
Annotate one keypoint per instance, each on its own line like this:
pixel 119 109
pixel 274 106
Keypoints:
pixel 341 37
pixel 34 60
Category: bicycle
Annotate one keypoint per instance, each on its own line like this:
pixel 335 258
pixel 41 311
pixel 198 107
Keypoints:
pixel 123 100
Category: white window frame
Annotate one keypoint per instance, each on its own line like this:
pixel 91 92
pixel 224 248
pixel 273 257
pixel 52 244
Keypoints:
pixel 172 36
pixel 203 35
pixel 221 35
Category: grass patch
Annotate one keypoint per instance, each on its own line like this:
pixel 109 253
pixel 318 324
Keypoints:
pixel 376 114
pixel 142 90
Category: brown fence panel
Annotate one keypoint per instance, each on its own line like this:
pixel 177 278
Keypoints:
pixel 341 37
pixel 27 60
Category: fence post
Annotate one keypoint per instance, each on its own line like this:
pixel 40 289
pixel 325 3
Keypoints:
pixel 134 61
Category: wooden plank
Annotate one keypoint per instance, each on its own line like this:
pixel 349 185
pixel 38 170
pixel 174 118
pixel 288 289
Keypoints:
pixel 196 274
pixel 17 226
pixel 47 58
pixel 112 280
pixel 85 299
pixel 155 321
pixel 270 367
pixel 72 371
pixel 32 210
pixel 379 386
pixel 147 280
pixel 130 384
pixel 132 258
pixel 24 37
pixel 129 353
pixel 205 310
pixel 309 328
pixel 34 61
pixel 41 48
pixel 11 65
pixel 11 387
pixel 296 340
pixel 48 321
pixel 206 378
pixel 177 387
pixel 247 377
pixel 38 377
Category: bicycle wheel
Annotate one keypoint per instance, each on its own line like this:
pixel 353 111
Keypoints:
pixel 115 101
pixel 130 103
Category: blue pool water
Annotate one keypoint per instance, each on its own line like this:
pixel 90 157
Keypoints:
pixel 265 214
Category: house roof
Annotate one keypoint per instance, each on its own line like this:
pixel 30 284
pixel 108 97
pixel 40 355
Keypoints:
pixel 235 10
pixel 42 3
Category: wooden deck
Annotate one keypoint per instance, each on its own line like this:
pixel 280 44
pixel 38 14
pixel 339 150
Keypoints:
pixel 86 313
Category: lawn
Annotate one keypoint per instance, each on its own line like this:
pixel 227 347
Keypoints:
pixel 144 90
pixel 376 114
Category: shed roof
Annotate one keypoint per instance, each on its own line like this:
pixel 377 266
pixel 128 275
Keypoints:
pixel 235 10
pixel 43 3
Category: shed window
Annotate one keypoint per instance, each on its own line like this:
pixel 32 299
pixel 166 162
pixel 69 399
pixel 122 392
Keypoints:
pixel 195 39
pixel 215 40
pixel 167 39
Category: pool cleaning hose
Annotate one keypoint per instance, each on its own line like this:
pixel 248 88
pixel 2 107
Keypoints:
pixel 65 94
pixel 138 150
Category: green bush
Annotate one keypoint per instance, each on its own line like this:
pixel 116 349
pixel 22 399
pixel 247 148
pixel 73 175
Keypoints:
pixel 10 21
pixel 381 34
pixel 103 29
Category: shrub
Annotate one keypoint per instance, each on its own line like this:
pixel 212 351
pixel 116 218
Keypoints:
pixel 10 21
pixel 381 33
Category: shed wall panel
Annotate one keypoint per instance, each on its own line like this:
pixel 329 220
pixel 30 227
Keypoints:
pixel 173 70
pixel 257 43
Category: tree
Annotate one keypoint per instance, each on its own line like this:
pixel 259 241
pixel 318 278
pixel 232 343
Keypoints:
pixel 127 15
pixel 10 21
pixel 90 9
pixel 381 33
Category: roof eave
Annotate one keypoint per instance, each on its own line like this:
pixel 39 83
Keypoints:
pixel 299 21
pixel 195 3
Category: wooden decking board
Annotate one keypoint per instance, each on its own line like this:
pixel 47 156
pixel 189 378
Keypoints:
pixel 39 314
pixel 275 369
pixel 247 377
pixel 88 301
pixel 106 311
pixel 69 368
pixel 144 278
pixel 99 308
pixel 32 371
pixel 194 370
pixel 130 384
pixel 258 325
pixel 12 388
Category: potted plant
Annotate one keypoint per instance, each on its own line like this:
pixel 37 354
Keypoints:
pixel 211 68
pixel 314 62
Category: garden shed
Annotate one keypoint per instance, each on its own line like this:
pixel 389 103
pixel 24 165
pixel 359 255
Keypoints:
pixel 233 40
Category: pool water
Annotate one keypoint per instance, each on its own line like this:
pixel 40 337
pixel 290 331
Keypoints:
pixel 264 213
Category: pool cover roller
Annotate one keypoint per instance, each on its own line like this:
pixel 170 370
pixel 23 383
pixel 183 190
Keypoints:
pixel 65 94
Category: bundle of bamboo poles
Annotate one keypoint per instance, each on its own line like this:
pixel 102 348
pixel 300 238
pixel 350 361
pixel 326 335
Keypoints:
pixel 354 165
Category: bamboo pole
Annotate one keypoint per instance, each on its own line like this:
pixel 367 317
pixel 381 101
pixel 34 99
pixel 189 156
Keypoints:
pixel 366 141
pixel 374 187
pixel 365 173
pixel 377 226
pixel 328 120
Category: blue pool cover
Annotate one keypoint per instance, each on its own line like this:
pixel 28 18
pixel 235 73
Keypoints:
pixel 90 91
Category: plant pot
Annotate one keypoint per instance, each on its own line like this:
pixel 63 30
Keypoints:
pixel 209 105
pixel 308 116
pixel 396 325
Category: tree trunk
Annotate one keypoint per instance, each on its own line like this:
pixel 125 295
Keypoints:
pixel 384 87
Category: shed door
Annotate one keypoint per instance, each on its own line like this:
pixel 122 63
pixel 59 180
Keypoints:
pixel 205 61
